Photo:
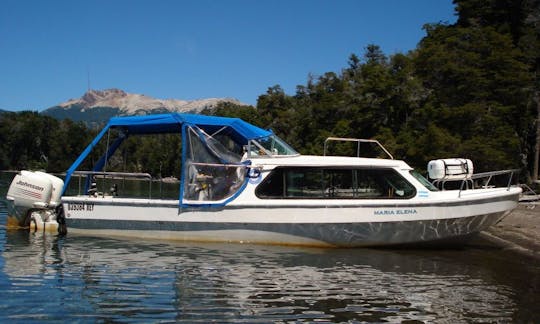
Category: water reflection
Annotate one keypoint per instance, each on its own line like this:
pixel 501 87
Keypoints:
pixel 106 279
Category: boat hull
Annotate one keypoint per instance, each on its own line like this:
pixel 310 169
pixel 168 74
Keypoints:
pixel 308 234
pixel 337 225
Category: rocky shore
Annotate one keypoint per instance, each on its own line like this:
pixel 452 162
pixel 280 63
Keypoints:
pixel 519 231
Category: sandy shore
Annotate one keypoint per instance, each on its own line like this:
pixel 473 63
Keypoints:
pixel 519 231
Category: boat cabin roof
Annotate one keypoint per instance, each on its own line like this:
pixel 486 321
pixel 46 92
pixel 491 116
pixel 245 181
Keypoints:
pixel 331 161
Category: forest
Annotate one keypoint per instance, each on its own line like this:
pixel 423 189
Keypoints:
pixel 469 89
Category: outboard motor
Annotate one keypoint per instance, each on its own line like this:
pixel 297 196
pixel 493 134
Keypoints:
pixel 34 201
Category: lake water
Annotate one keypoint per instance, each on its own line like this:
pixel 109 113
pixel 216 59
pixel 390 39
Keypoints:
pixel 84 279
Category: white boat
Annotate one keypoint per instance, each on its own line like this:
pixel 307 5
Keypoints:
pixel 241 183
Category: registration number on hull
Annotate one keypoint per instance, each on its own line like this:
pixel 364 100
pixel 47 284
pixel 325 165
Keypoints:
pixel 80 206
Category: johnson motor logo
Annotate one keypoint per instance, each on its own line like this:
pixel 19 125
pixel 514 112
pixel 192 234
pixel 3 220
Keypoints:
pixel 32 193
pixel 29 185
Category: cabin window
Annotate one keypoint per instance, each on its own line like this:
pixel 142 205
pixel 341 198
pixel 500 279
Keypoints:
pixel 334 183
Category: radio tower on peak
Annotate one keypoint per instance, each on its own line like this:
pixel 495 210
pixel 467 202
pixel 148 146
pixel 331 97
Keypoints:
pixel 88 78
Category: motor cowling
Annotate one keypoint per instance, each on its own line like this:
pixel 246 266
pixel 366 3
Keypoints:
pixel 33 196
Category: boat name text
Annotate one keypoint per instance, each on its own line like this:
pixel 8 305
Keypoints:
pixel 395 212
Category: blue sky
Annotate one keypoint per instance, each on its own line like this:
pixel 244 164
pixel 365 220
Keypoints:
pixel 193 49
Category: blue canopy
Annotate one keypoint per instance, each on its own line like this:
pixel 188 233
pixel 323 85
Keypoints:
pixel 172 123
pixel 239 130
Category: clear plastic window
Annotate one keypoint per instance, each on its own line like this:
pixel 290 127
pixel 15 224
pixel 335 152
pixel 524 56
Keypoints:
pixel 211 172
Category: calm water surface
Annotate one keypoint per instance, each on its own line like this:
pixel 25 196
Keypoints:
pixel 85 279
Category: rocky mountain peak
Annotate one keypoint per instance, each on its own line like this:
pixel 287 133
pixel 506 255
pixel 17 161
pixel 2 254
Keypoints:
pixel 129 103
pixel 93 96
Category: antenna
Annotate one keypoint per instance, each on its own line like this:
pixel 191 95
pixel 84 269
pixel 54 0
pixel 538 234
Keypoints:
pixel 88 77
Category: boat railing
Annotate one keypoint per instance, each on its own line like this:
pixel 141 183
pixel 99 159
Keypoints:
pixel 220 165
pixel 251 170
pixel 484 180
pixel 104 175
pixel 358 142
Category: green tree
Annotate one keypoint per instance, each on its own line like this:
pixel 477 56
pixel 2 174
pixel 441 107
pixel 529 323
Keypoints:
pixel 478 80
pixel 228 109
pixel 520 19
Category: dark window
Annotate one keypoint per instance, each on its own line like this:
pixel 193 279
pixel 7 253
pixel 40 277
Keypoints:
pixel 337 183
pixel 274 185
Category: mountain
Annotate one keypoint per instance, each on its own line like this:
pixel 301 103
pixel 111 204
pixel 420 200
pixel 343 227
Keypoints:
pixel 97 106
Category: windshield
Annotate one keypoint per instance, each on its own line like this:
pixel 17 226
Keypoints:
pixel 425 182
pixel 270 146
